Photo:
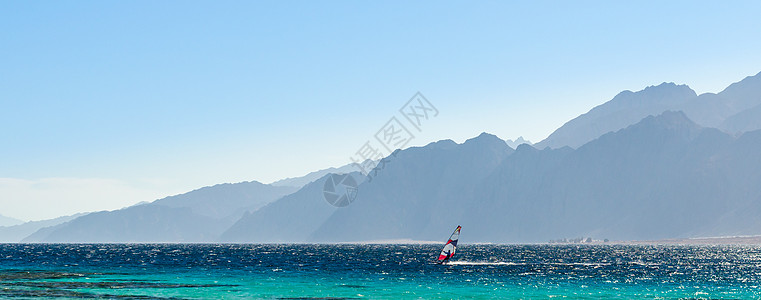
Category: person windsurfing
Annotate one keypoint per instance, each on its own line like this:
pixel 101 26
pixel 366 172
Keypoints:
pixel 446 257
pixel 450 246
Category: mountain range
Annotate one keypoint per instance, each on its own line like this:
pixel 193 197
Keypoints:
pixel 736 109
pixel 16 233
pixel 659 163
pixel 196 216
pixel 8 221
pixel 313 176
pixel 663 177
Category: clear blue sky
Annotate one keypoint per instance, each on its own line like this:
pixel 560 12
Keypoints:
pixel 107 103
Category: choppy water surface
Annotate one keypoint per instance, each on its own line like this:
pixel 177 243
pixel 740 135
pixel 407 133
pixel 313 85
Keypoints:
pixel 185 271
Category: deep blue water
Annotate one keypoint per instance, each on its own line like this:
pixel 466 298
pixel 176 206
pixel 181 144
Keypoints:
pixel 200 271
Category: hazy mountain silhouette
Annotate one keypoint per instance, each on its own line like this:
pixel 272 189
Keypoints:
pixel 227 200
pixel 517 142
pixel 712 110
pixel 636 167
pixel 625 185
pixel 623 110
pixel 196 216
pixel 662 177
pixel 410 196
pixel 735 109
pixel 418 193
pixel 8 221
pixel 313 176
pixel 289 219
pixel 16 233
pixel 744 121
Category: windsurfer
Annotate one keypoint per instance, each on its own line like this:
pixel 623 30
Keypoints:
pixel 449 247
pixel 446 259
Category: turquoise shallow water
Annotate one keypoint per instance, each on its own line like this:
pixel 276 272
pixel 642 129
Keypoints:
pixel 190 271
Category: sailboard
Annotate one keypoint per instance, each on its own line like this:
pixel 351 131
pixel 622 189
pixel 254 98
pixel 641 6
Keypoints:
pixel 450 246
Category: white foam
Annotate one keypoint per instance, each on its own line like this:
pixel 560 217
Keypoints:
pixel 506 263
pixel 483 263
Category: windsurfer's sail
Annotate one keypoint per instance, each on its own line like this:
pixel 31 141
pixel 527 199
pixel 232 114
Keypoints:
pixel 450 247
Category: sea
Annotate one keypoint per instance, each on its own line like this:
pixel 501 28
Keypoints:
pixel 354 271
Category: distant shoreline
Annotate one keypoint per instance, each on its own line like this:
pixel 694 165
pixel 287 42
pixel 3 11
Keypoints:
pixel 394 241
pixel 728 240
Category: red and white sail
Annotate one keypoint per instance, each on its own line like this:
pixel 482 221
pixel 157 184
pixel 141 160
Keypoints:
pixel 451 246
